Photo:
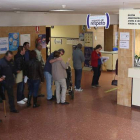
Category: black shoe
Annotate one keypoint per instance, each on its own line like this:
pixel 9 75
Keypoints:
pixel 41 95
pixel 52 99
pixel 0 121
pixel 65 103
pixel 14 111
pixel 29 100
pixel 54 96
pixel 35 102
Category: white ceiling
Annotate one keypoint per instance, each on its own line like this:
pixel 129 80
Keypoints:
pixel 79 6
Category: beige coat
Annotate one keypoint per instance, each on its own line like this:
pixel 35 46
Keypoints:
pixel 59 70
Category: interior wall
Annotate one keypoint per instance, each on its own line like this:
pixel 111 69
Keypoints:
pixel 98 36
pixel 125 61
pixel 115 30
pixel 4 31
pixel 137 42
pixel 64 32
pixel 68 31
pixel 108 39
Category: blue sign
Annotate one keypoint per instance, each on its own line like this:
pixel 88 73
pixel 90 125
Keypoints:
pixel 98 21
pixel 13 41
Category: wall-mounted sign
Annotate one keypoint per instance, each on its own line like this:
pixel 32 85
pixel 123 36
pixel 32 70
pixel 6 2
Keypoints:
pixel 13 41
pixel 42 38
pixel 4 45
pixel 124 36
pixel 58 41
pixel 24 38
pixel 88 39
pixel 98 21
pixel 129 19
pixel 37 29
pixel 124 44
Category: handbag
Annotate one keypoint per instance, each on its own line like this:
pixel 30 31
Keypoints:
pixel 114 82
pixel 103 67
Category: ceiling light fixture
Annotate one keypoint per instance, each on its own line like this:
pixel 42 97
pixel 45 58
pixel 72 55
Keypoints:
pixel 62 10
pixel 15 8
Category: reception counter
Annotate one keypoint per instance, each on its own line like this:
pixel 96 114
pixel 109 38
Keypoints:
pixel 113 56
pixel 135 74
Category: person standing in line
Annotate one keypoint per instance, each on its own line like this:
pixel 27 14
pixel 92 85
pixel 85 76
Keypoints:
pixel 39 54
pixel 41 60
pixel 20 68
pixel 27 51
pixel 2 96
pixel 48 73
pixel 59 76
pixel 7 70
pixel 78 59
pixel 35 75
pixel 96 65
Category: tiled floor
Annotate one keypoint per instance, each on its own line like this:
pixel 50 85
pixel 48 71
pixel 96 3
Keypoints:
pixel 92 115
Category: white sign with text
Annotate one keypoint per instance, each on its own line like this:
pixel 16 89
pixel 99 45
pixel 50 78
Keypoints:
pixel 129 19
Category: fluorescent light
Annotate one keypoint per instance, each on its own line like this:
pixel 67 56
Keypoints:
pixel 15 8
pixel 62 10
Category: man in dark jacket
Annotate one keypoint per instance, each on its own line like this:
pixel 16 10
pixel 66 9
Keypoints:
pixel 20 68
pixel 27 51
pixel 78 59
pixel 2 96
pixel 7 69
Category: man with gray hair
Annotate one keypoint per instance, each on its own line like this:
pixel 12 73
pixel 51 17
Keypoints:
pixel 39 54
pixel 78 59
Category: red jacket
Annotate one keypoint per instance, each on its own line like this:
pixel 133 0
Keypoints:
pixel 94 59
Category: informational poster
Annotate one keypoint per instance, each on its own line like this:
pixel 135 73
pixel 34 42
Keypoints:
pixel 88 38
pixel 124 36
pixel 58 41
pixel 124 44
pixel 69 41
pixel 87 54
pixel 81 39
pixel 42 38
pixel 129 19
pixel 75 41
pixel 4 45
pixel 13 41
pixel 25 38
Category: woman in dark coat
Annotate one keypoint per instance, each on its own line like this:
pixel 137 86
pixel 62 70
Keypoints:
pixel 35 74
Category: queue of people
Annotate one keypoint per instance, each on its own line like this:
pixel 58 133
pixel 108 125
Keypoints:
pixel 30 63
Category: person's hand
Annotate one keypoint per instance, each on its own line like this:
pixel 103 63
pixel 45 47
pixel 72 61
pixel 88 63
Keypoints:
pixel 69 59
pixel 18 71
pixel 1 79
pixel 59 58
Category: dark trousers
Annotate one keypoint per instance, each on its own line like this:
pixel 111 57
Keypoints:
pixel 10 93
pixel 78 76
pixel 33 87
pixel 96 76
pixel 20 91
